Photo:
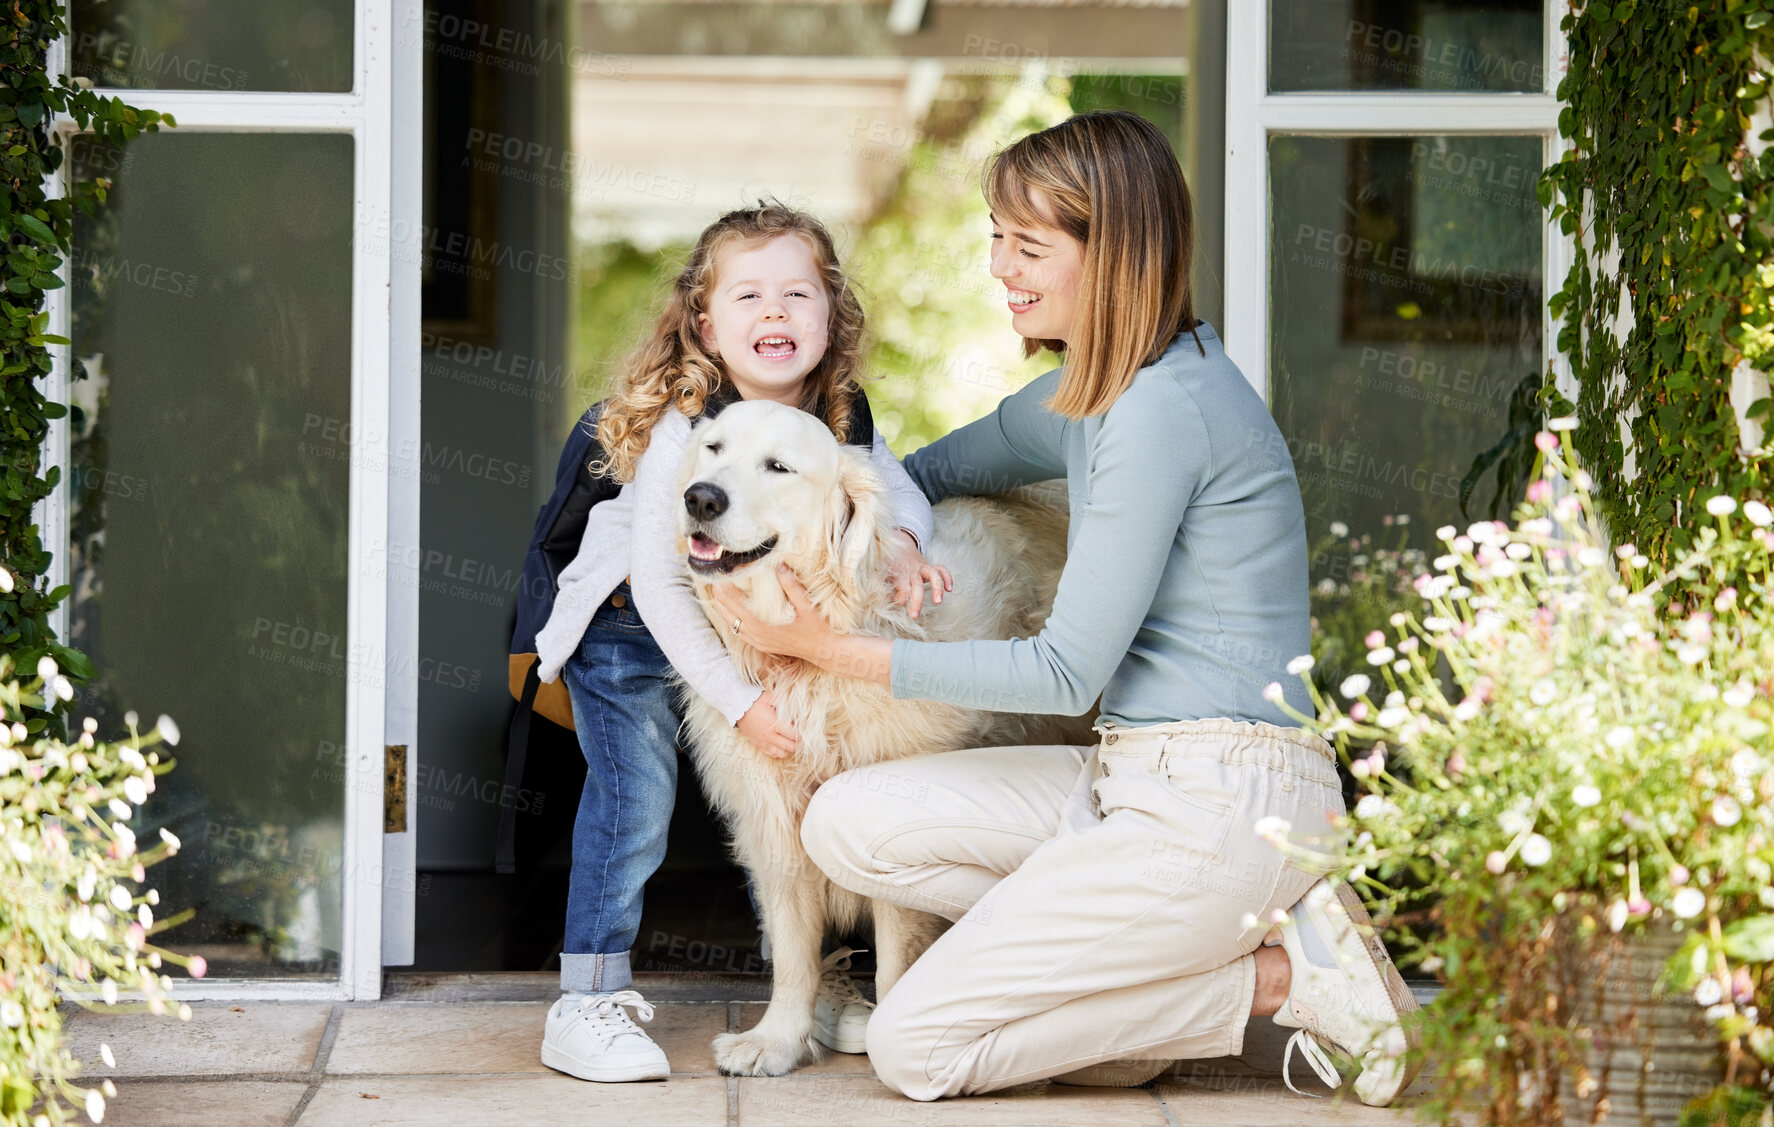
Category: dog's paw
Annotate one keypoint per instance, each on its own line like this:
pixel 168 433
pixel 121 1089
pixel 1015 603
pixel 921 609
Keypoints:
pixel 760 1054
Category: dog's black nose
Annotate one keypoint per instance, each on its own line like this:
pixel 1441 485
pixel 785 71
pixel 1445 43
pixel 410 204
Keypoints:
pixel 705 501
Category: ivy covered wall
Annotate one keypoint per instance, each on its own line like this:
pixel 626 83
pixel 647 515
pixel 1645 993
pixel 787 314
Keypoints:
pixel 37 231
pixel 1669 191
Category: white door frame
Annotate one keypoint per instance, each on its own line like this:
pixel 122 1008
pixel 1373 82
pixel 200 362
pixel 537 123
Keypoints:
pixel 382 603
pixel 1254 115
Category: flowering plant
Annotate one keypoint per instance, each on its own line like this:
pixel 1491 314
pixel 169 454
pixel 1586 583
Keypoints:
pixel 1560 743
pixel 76 925
pixel 1360 581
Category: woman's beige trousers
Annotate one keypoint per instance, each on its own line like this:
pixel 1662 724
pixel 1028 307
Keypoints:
pixel 1107 899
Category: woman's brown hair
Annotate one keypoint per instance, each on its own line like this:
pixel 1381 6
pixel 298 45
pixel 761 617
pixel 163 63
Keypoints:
pixel 1109 179
pixel 672 368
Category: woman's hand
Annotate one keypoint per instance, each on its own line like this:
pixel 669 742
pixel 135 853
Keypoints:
pixel 809 637
pixel 909 571
pixel 766 730
pixel 805 637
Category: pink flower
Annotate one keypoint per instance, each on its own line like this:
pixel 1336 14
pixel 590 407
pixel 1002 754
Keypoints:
pixel 1358 711
pixel 1540 492
pixel 1495 862
pixel 199 966
pixel 1546 441
pixel 1638 906
pixel 1375 640
pixel 1678 876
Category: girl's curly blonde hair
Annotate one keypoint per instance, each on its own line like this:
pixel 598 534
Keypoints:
pixel 673 369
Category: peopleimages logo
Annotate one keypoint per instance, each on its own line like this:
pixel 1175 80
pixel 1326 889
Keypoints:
pixel 122 63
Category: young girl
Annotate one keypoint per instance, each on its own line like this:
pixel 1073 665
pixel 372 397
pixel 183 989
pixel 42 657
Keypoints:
pixel 1115 900
pixel 761 311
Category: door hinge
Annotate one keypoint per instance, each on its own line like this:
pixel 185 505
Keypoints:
pixel 394 790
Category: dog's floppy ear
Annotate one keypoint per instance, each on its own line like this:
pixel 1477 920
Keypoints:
pixel 858 512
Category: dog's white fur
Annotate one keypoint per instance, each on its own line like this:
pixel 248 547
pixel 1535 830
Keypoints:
pixel 784 476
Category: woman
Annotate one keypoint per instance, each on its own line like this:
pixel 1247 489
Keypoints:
pixel 1113 902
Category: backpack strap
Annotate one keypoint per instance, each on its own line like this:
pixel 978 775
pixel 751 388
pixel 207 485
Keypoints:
pixel 516 749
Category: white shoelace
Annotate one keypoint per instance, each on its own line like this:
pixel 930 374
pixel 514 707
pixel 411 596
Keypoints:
pixel 834 979
pixel 1315 1056
pixel 607 1017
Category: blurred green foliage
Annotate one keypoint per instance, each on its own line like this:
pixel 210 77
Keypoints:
pixel 941 351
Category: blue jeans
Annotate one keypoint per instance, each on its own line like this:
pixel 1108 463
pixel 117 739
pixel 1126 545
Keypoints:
pixel 623 710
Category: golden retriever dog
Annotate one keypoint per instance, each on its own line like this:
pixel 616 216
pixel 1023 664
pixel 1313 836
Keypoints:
pixel 766 484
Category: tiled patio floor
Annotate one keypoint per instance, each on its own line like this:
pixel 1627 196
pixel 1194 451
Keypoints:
pixel 462 1050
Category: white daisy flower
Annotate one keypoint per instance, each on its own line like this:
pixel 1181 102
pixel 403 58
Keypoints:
pixel 1300 665
pixel 1269 825
pixel 1759 514
pixel 1726 811
pixel 1371 806
pixel 1708 992
pixel 1338 529
pixel 1721 505
pixel 1586 794
pixel 1688 903
pixel 1536 850
pixel 1354 685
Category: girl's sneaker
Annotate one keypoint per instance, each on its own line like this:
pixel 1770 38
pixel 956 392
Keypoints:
pixel 592 1037
pixel 841 1015
pixel 1346 995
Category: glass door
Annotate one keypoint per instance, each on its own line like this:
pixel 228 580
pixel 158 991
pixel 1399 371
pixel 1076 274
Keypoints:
pixel 243 383
pixel 1388 264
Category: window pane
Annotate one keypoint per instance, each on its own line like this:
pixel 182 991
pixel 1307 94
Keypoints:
pixel 214 44
pixel 212 304
pixel 1493 46
pixel 1405 294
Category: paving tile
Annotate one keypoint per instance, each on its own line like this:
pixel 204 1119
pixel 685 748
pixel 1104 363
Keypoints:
pixel 495 1037
pixel 834 1064
pixel 203 1103
pixel 813 1101
pixel 1243 1101
pixel 514 1101
pixel 221 1039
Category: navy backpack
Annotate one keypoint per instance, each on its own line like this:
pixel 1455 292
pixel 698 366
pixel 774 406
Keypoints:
pixel 555 540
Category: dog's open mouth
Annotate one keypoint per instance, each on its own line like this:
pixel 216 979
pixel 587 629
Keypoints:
pixel 707 555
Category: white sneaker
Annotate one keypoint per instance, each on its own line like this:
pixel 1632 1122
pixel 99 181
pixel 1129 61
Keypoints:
pixel 592 1037
pixel 841 1014
pixel 1346 995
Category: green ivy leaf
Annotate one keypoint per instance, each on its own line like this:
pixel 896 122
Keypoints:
pixel 36 228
